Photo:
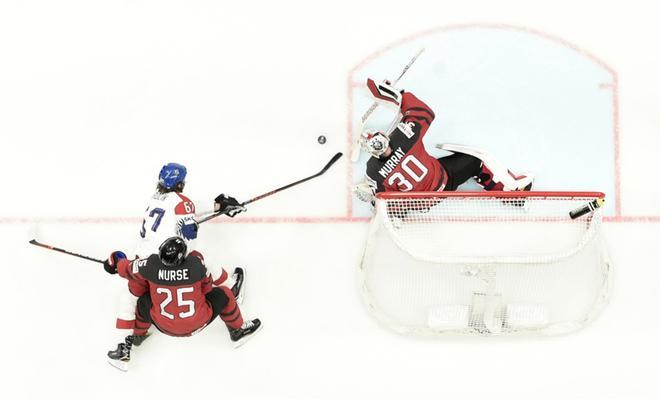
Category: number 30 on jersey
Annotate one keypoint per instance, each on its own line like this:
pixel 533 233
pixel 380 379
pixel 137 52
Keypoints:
pixel 403 181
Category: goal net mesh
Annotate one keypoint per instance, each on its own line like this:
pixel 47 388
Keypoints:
pixel 484 263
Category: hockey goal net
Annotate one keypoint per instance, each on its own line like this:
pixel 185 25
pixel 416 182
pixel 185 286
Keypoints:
pixel 485 263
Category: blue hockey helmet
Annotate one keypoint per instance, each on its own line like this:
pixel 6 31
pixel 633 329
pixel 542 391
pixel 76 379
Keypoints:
pixel 171 175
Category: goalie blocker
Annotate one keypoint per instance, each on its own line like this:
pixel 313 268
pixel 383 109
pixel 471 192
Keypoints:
pixel 469 263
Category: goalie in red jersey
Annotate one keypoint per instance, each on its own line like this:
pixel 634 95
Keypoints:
pixel 399 161
pixel 178 295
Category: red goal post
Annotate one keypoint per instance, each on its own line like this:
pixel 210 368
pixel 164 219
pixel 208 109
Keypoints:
pixel 492 263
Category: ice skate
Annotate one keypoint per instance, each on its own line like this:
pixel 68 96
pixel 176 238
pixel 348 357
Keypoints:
pixel 121 356
pixel 237 288
pixel 240 335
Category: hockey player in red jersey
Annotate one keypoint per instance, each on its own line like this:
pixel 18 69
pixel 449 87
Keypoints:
pixel 400 162
pixel 171 213
pixel 178 295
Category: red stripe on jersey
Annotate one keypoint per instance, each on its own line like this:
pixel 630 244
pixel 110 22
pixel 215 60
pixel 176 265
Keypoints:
pixel 231 314
pixel 125 324
pixel 183 197
pixel 185 207
pixel 222 278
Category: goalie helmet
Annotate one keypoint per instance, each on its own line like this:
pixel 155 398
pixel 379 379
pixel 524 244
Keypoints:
pixel 172 175
pixel 375 143
pixel 172 251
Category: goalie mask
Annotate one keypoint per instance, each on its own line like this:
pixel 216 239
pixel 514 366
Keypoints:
pixel 375 143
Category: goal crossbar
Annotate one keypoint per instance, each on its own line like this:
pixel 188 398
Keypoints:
pixel 491 194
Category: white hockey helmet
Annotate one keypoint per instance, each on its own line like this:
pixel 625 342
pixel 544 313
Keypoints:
pixel 375 142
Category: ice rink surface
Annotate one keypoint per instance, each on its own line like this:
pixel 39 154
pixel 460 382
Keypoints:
pixel 96 96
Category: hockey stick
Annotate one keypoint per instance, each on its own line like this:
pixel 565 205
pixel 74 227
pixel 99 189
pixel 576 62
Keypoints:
pixel 334 159
pixel 277 190
pixel 355 153
pixel 64 251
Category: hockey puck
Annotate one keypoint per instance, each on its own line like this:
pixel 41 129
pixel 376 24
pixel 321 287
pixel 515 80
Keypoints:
pixel 321 139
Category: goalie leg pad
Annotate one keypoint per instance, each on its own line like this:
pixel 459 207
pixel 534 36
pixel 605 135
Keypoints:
pixel 493 176
pixel 460 168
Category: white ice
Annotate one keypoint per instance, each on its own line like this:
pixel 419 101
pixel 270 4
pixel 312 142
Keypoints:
pixel 96 96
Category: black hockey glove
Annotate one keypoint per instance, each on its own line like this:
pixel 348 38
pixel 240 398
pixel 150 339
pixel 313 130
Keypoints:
pixel 110 265
pixel 229 205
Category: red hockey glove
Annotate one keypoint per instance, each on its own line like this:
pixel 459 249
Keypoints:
pixel 110 265
pixel 384 92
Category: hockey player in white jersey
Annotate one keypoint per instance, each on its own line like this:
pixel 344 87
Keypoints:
pixel 170 213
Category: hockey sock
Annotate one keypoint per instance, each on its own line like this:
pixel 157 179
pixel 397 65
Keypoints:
pixel 141 325
pixel 231 314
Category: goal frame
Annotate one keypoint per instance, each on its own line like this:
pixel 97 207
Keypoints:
pixel 380 220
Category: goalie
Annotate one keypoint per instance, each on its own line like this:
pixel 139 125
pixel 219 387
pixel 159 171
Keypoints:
pixel 399 161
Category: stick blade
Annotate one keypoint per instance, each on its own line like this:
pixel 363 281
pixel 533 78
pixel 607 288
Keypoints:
pixel 334 159
pixel 34 233
pixel 37 243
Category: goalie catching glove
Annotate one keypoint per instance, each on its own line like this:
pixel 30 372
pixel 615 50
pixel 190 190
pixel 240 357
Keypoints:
pixel 384 92
pixel 229 205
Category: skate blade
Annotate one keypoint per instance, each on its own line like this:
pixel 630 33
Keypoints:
pixel 119 364
pixel 240 342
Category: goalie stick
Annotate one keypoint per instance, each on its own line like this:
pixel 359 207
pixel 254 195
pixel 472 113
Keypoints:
pixel 355 153
pixel 334 159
